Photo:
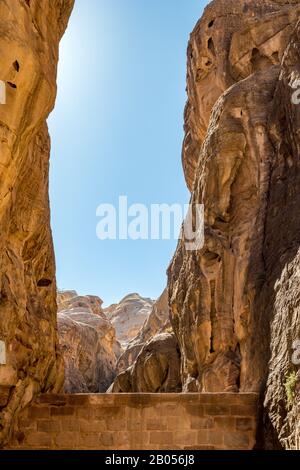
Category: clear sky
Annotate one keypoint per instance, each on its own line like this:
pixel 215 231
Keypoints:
pixel 117 129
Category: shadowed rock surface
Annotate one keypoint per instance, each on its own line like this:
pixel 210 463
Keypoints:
pixel 156 369
pixel 233 303
pixel 88 343
pixel 29 36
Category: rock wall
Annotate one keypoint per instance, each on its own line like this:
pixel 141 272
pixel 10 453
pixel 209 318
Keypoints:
pixel 234 303
pixel 128 316
pixel 88 343
pixel 151 361
pixel 281 294
pixel 157 322
pixel 30 32
pixel 155 370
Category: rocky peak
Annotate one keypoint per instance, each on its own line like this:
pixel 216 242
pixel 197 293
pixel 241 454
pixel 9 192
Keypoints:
pixel 129 315
pixel 88 343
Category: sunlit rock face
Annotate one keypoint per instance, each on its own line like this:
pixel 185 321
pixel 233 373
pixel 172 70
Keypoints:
pixel 128 316
pixel 88 343
pixel 151 361
pixel 233 39
pixel 157 322
pixel 30 32
pixel 233 303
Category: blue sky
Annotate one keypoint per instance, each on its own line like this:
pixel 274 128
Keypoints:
pixel 117 129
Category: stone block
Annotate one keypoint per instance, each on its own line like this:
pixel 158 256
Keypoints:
pixel 47 425
pixel 198 422
pixel 236 440
pixel 62 411
pixel 185 438
pixel 36 412
pixel 217 410
pixel 161 437
pixel 245 424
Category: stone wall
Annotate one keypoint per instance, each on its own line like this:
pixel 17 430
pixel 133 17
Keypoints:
pixel 139 421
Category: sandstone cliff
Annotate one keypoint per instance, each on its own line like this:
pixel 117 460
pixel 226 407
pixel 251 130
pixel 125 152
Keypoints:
pixel 156 368
pixel 30 32
pixel 157 322
pixel 234 303
pixel 88 343
pixel 128 316
pixel 151 361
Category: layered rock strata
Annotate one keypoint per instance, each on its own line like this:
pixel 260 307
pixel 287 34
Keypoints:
pixel 128 316
pixel 151 361
pixel 155 370
pixel 88 344
pixel 30 32
pixel 234 302
pixel 157 322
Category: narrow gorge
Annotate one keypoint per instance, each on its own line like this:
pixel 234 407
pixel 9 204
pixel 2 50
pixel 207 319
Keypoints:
pixel 227 323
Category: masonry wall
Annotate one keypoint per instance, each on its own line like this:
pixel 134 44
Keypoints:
pixel 139 421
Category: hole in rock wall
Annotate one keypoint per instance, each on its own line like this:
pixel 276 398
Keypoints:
pixel 12 85
pixel 16 65
pixel 275 57
pixel 259 61
pixel 211 46
pixel 44 282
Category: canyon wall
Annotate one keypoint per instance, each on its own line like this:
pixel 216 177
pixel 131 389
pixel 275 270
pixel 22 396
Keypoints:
pixel 155 370
pixel 88 343
pixel 151 361
pixel 234 303
pixel 158 321
pixel 30 31
pixel 128 316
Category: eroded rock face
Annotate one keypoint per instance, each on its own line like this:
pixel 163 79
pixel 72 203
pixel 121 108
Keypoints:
pixel 151 361
pixel 88 343
pixel 156 369
pixel 128 316
pixel 157 322
pixel 281 294
pixel 230 300
pixel 29 36
pixel 233 39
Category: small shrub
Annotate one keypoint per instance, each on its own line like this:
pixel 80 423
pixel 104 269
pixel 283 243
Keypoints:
pixel 290 385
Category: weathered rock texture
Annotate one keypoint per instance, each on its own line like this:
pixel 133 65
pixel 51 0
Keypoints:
pixel 157 322
pixel 156 368
pixel 88 343
pixel 30 32
pixel 128 316
pixel 151 361
pixel 234 303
